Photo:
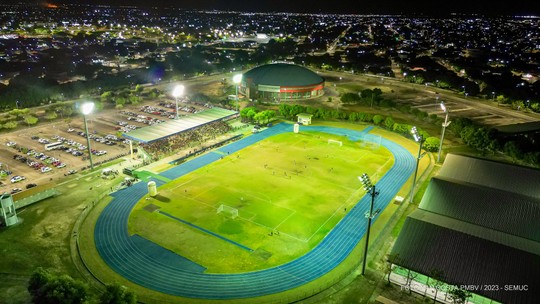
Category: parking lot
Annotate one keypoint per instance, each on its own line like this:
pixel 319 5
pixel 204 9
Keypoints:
pixel 28 159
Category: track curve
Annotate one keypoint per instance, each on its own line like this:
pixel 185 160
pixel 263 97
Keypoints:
pixel 120 251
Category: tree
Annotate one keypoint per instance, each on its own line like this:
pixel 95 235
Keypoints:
pixel 459 296
pixel 51 115
pixel 117 294
pixel 47 288
pixel 30 120
pixel 377 119
pixel 391 259
pixel 38 279
pixel 350 98
pixel 389 122
pixel 10 125
pixel 107 96
pixel 436 282
pixel 432 144
pixel 411 275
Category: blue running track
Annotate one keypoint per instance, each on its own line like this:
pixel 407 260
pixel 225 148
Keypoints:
pixel 159 269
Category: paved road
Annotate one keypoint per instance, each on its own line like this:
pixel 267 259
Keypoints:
pixel 154 267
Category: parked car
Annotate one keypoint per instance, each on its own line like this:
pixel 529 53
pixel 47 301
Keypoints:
pixel 30 186
pixel 72 171
pixel 17 178
pixel 15 190
pixel 11 143
pixel 45 169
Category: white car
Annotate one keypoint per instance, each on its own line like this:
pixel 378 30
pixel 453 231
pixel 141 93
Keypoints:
pixel 17 178
pixel 11 143
pixel 45 169
pixel 70 130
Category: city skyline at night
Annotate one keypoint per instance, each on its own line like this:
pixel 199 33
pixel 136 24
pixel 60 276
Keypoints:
pixel 483 7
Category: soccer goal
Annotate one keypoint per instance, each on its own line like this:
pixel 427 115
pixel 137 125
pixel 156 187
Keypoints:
pixel 228 210
pixel 335 142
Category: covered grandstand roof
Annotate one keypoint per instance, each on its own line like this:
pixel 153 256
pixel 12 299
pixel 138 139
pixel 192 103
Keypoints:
pixel 169 128
pixel 283 74
pixel 478 223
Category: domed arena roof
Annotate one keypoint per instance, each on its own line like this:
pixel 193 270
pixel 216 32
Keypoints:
pixel 282 74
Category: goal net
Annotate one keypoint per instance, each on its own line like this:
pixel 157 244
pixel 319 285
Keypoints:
pixel 228 211
pixel 335 142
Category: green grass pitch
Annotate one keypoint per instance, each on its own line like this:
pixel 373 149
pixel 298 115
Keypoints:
pixel 290 190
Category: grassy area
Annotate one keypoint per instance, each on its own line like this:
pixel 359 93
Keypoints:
pixel 275 188
pixel 42 237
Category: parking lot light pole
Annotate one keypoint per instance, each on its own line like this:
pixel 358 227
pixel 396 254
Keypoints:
pixel 419 139
pixel 177 92
pixel 86 109
pixel 444 125
pixel 237 79
pixel 370 188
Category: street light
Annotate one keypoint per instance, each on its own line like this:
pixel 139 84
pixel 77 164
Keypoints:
pixel 370 188
pixel 86 109
pixel 237 79
pixel 177 92
pixel 419 139
pixel 444 125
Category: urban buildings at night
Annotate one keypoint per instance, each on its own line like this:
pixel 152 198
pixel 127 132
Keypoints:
pixel 370 79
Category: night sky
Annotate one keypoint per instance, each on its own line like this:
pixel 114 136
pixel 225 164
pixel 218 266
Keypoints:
pixel 497 7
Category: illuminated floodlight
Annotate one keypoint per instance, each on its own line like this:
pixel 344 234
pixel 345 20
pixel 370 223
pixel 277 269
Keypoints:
pixel 87 108
pixel 444 125
pixel 366 182
pixel 178 91
pixel 370 188
pixel 417 137
pixel 237 78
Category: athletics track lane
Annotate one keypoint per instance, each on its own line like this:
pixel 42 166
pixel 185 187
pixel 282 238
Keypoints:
pixel 143 267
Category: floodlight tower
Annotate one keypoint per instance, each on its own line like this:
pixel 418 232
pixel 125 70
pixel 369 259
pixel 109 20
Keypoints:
pixel 370 188
pixel 237 79
pixel 420 140
pixel 177 93
pixel 445 124
pixel 86 109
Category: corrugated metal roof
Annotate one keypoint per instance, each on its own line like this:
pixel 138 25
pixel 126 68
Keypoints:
pixel 169 128
pixel 478 222
pixel 465 259
pixel 491 208
pixel 507 177
pixel 491 235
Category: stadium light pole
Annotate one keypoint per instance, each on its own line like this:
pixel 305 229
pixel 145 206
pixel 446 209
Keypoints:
pixel 177 93
pixel 420 140
pixel 445 124
pixel 86 109
pixel 237 79
pixel 370 188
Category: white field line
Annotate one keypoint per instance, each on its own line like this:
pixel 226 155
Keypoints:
pixel 270 229
pixel 285 219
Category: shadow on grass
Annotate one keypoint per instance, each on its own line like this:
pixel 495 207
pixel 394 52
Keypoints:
pixel 162 198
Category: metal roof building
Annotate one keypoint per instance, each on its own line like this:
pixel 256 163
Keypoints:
pixel 169 128
pixel 479 223
pixel 281 81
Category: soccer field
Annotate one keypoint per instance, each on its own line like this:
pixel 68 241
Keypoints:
pixel 289 190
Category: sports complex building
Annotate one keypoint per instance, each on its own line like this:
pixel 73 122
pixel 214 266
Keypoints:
pixel 476 228
pixel 161 131
pixel 281 82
